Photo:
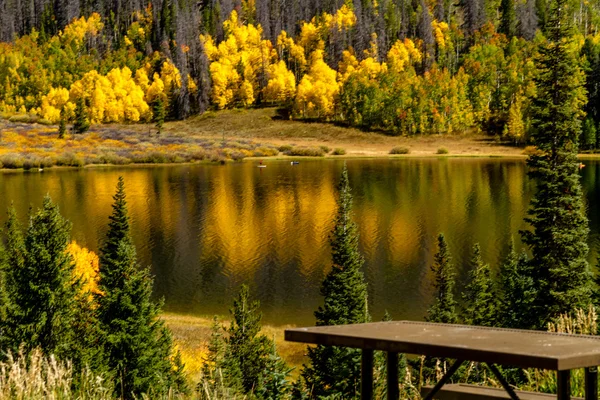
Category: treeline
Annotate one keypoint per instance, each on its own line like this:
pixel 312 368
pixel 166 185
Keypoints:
pixel 405 67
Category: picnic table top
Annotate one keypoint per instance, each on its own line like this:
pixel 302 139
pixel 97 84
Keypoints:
pixel 520 348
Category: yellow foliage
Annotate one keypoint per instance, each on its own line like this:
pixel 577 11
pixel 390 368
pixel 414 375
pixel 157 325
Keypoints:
pixel 441 33
pixel 53 102
pixel 237 62
pixel 318 89
pixel 402 54
pixel 77 30
pixel 86 268
pixel 170 76
pixel 347 66
pixel 344 18
pixel 282 84
pixel 295 53
pixel 115 97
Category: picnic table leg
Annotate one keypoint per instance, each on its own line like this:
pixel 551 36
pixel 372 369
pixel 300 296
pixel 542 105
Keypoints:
pixel 444 379
pixel 564 385
pixel 366 387
pixel 591 383
pixel 392 376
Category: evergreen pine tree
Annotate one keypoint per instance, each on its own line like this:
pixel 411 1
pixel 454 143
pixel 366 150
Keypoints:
pixel 41 290
pixel 158 113
pixel 559 224
pixel 516 291
pixel 138 347
pixel 479 297
pixel 334 369
pixel 82 124
pixel 62 125
pixel 508 21
pixel 443 309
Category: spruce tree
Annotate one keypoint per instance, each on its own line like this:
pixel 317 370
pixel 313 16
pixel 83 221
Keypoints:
pixel 138 347
pixel 62 125
pixel 508 21
pixel 559 225
pixel 158 113
pixel 82 123
pixel 42 293
pixel 443 309
pixel 335 370
pixel 479 297
pixel 516 291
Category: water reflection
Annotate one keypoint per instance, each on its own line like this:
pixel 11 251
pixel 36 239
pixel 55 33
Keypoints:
pixel 205 229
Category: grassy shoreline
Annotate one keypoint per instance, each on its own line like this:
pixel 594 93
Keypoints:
pixel 226 136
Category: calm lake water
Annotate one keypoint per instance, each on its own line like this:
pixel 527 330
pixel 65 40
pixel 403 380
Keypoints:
pixel 206 229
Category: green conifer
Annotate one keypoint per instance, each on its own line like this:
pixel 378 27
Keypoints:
pixel 41 290
pixel 138 347
pixel 334 369
pixel 479 297
pixel 508 20
pixel 516 291
pixel 158 113
pixel 82 123
pixel 443 309
pixel 559 225
pixel 62 125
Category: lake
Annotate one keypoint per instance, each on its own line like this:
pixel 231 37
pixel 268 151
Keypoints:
pixel 206 229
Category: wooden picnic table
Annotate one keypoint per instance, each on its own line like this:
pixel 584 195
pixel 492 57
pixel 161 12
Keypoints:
pixel 512 347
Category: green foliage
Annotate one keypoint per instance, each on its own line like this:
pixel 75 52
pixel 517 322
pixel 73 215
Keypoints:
pixel 559 225
pixel 82 123
pixel 338 151
pixel 516 291
pixel 442 150
pixel 335 369
pixel 588 134
pixel 138 347
pixel 479 297
pixel 40 288
pixel 158 113
pixel 62 125
pixel 443 309
pixel 245 361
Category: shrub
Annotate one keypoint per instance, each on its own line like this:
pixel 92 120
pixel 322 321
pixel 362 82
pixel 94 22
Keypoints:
pixel 22 118
pixel 69 160
pixel 442 150
pixel 306 152
pixel 237 156
pixel 268 151
pixel 339 152
pixel 285 148
pixel 531 150
pixel 12 161
pixel 44 121
pixel 400 150
pixel 325 149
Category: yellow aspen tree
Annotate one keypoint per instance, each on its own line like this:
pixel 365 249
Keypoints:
pixel 402 55
pixel 281 87
pixel 86 268
pixel 318 90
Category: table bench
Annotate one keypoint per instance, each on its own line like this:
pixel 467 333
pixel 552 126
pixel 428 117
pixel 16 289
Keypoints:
pixel 517 348
pixel 462 391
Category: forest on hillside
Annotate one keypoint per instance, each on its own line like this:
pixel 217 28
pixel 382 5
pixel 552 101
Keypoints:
pixel 401 66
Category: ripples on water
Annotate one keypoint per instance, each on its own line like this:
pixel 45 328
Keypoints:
pixel 205 229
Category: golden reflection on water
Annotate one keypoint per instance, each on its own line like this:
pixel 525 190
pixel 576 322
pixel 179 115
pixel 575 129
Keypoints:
pixel 205 229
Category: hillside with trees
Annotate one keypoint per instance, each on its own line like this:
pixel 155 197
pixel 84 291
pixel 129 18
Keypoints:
pixel 403 67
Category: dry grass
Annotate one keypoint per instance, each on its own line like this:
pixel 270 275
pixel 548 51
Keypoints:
pixel 192 334
pixel 38 377
pixel 217 137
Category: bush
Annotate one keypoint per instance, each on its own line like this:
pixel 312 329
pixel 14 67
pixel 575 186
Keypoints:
pixel 285 148
pixel 325 149
pixel 442 150
pixel 400 150
pixel 44 121
pixel 306 152
pixel 69 160
pixel 12 161
pixel 339 152
pixel 531 150
pixel 22 118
